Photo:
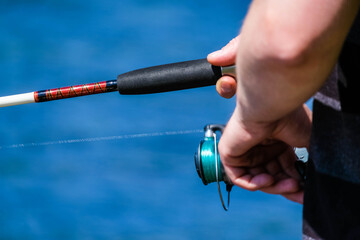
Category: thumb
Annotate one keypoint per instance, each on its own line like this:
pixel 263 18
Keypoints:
pixel 226 55
pixel 237 140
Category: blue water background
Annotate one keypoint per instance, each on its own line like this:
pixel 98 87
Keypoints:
pixel 139 188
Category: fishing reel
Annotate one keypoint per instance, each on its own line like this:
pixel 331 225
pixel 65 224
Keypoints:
pixel 210 168
pixel 208 164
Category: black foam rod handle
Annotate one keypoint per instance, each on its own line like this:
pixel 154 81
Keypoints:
pixel 169 77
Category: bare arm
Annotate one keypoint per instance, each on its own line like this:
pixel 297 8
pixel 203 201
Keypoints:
pixel 286 51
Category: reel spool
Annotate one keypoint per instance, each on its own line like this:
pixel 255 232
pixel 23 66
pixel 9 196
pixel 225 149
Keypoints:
pixel 208 164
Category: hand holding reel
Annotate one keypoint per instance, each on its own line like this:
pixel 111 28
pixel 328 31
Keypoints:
pixel 210 168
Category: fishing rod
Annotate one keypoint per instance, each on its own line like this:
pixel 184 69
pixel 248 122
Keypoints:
pixel 157 79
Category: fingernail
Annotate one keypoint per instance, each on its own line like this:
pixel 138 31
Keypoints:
pixel 226 88
pixel 213 54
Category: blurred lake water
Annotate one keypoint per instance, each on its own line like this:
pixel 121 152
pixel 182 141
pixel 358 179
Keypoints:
pixel 129 188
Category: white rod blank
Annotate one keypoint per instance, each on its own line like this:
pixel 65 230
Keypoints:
pixel 17 99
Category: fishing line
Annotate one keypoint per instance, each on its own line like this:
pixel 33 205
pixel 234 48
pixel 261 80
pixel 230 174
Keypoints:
pixel 97 139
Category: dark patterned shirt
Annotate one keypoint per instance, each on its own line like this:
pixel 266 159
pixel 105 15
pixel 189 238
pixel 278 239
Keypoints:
pixel 332 188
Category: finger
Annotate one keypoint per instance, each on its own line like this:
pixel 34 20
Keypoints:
pixel 285 186
pixel 256 171
pixel 287 163
pixel 254 182
pixel 234 142
pixel 257 156
pixel 283 166
pixel 250 179
pixel 273 167
pixel 261 154
pixel 226 86
pixel 295 197
pixel 225 56
pixel 235 172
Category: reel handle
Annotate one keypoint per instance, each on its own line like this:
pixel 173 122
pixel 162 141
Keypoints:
pixel 171 77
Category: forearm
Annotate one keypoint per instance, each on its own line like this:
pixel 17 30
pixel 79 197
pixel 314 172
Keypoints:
pixel 286 51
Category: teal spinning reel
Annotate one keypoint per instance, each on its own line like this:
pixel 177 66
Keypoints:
pixel 210 168
pixel 208 164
